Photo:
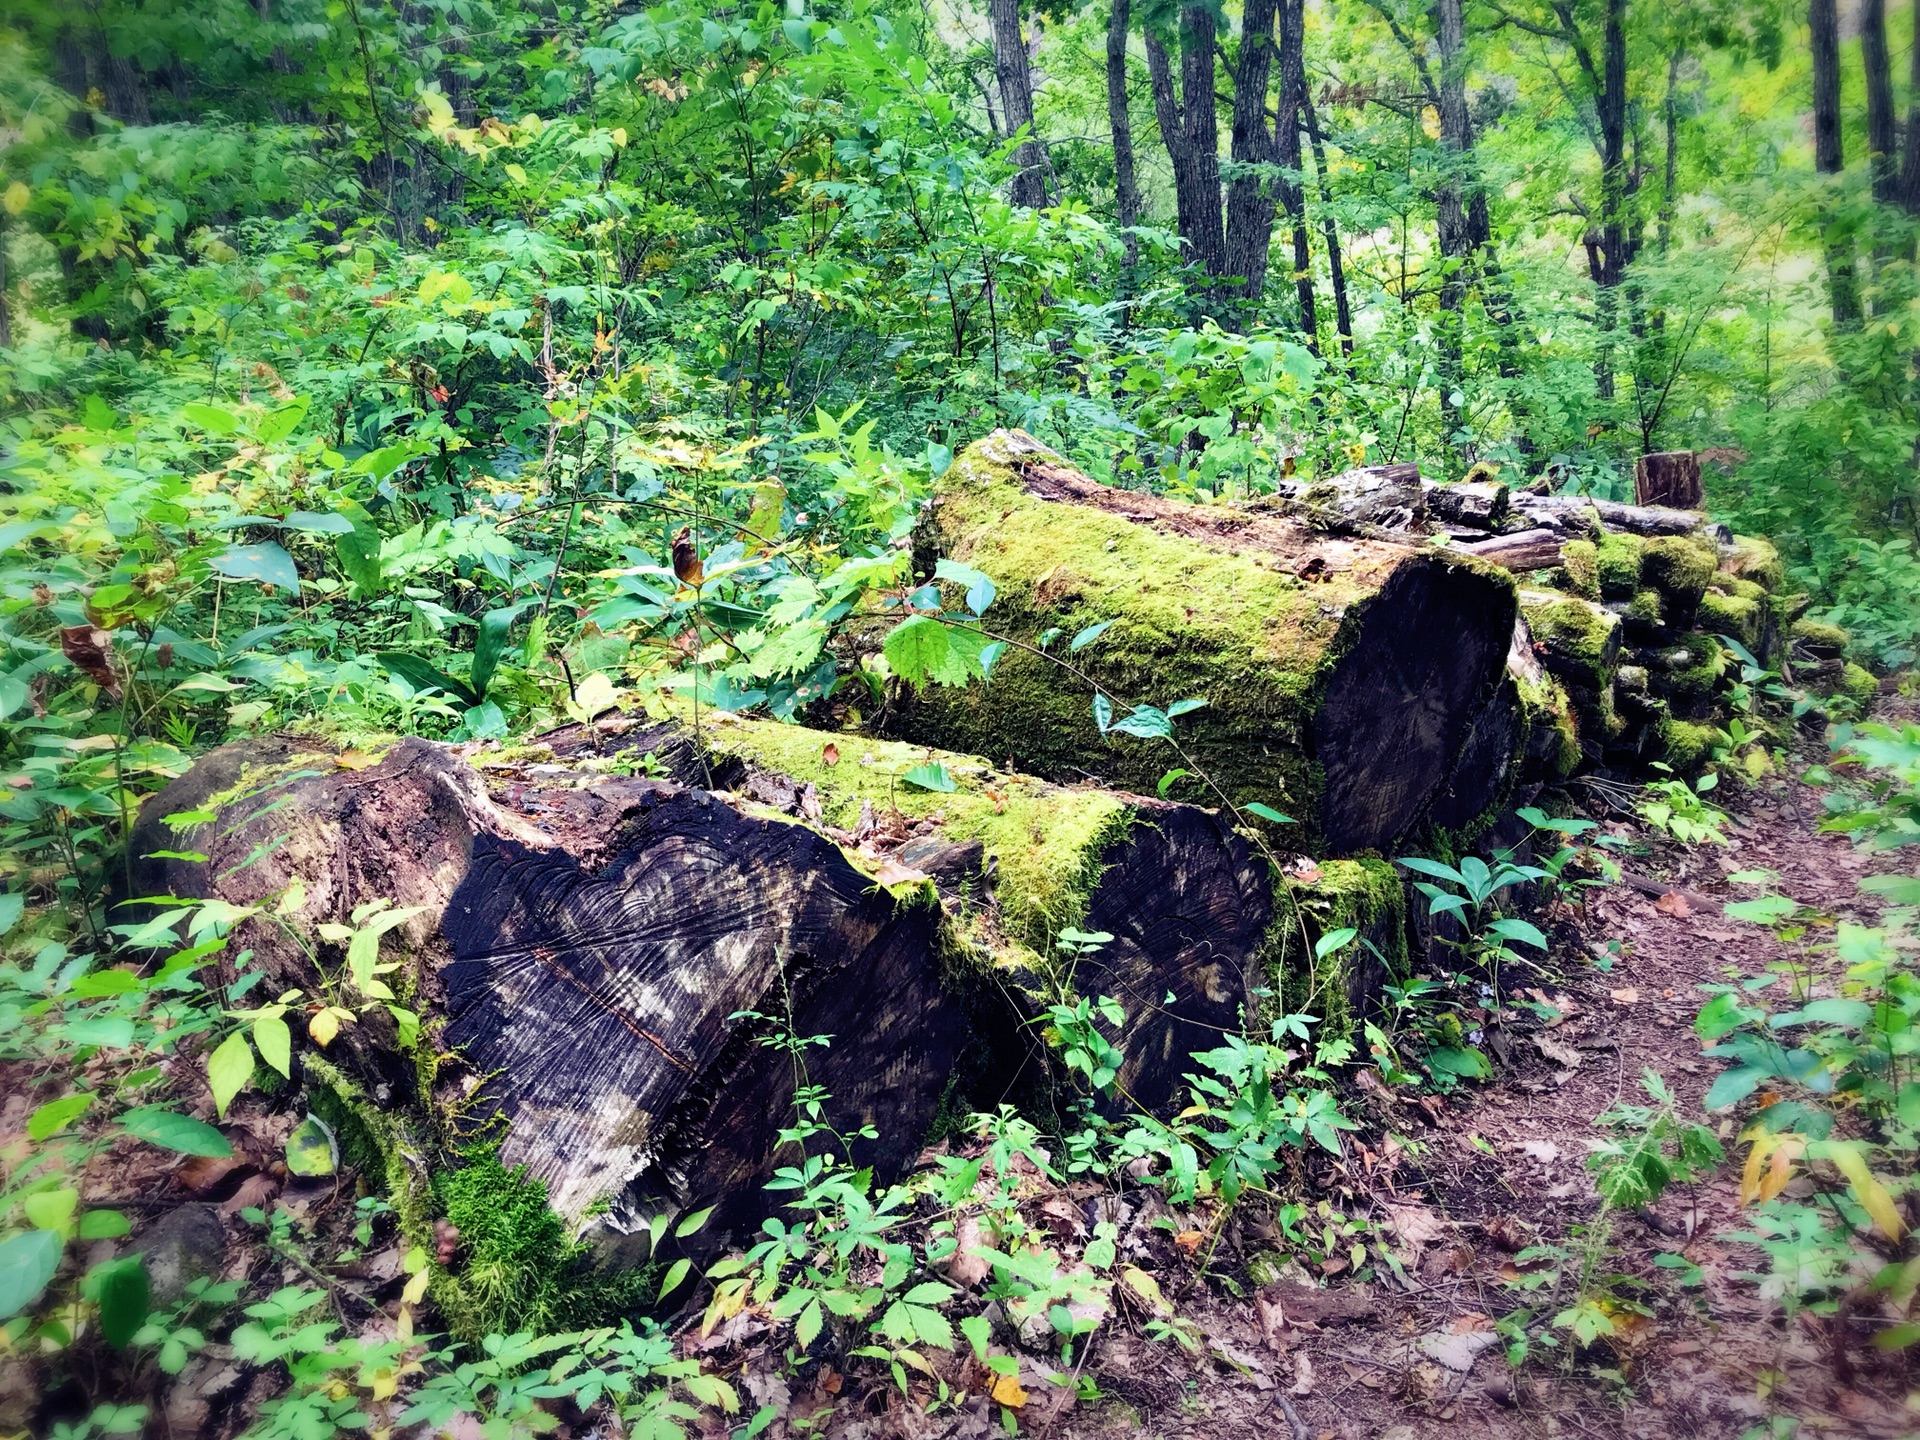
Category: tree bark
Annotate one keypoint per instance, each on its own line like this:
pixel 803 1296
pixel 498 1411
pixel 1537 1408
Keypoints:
pixel 1191 133
pixel 1126 185
pixel 1615 233
pixel 1829 158
pixel 1340 676
pixel 1015 76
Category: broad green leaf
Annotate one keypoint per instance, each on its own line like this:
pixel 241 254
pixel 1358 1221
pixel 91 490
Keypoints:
pixel 359 550
pixel 54 1116
pixel 676 1273
pixel 267 563
pixel 275 1041
pixel 689 1224
pixel 277 425
pixel 1763 911
pixel 422 676
pixel 229 1068
pixel 931 776
pixel 1333 940
pixel 1087 636
pixel 121 1290
pixel 27 1263
pixel 488 647
pixel 210 418
pixel 171 1131
pixel 1268 813
pixel 103 1225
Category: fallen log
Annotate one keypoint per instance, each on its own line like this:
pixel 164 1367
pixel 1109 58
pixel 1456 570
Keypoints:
pixel 1568 512
pixel 1522 550
pixel 1341 676
pixel 600 954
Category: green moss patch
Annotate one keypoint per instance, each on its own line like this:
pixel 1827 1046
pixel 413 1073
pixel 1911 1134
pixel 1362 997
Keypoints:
pixel 1045 841
pixel 1678 565
pixel 1617 565
pixel 1859 684
pixel 1820 638
pixel 1579 572
pixel 1686 744
pixel 1582 641
pixel 1754 558
pixel 1365 895
pixel 1735 615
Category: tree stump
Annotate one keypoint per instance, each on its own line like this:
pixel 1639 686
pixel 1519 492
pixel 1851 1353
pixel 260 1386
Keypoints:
pixel 1670 478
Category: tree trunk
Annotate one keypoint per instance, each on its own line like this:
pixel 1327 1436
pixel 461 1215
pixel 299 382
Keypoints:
pixel 1882 144
pixel 1459 243
pixel 1615 234
pixel 1342 313
pixel 1191 133
pixel 1340 676
pixel 1293 97
pixel 1126 186
pixel 1012 71
pixel 1251 196
pixel 1909 193
pixel 598 956
pixel 1828 157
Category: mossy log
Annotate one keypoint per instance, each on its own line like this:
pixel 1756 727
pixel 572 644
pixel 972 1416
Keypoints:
pixel 1474 504
pixel 1576 513
pixel 1364 501
pixel 1342 677
pixel 598 942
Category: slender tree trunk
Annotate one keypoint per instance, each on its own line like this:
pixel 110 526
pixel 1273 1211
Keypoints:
pixel 1126 186
pixel 1909 193
pixel 1293 96
pixel 1251 193
pixel 1828 157
pixel 6 310
pixel 1881 142
pixel 1453 220
pixel 1342 313
pixel 1191 133
pixel 1016 102
pixel 1670 185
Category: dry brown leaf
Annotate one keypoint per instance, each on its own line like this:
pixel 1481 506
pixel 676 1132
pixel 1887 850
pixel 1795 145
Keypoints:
pixel 1560 1054
pixel 1190 1240
pixel 686 558
pixel 1007 1391
pixel 1675 904
pixel 254 1191
pixel 1627 996
pixel 91 652
pixel 1545 1151
pixel 830 754
pixel 892 872
pixel 205 1173
pixel 1302 1375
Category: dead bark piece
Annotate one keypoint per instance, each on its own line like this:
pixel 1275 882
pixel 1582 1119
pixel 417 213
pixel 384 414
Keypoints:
pixel 1670 478
pixel 1364 501
pixel 1341 676
pixel 1481 504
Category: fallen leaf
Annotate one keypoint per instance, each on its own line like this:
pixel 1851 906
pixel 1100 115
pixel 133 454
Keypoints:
pixel 892 872
pixel 254 1191
pixel 1545 1151
pixel 1007 1391
pixel 1675 904
pixel 91 652
pixel 1628 996
pixel 1063 1218
pixel 1190 1240
pixel 967 1267
pixel 1302 1375
pixel 830 754
pixel 1558 1053
pixel 1456 1352
pixel 206 1173
pixel 354 760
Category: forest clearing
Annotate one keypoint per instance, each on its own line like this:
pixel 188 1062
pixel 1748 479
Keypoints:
pixel 877 720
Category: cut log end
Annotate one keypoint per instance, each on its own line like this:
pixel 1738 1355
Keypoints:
pixel 1430 650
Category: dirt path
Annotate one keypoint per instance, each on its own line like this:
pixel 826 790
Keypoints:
pixel 1470 1183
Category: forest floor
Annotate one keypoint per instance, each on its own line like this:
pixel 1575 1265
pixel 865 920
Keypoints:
pixel 1498 1168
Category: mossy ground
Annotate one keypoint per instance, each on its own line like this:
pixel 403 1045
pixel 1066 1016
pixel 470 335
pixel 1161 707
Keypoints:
pixel 1859 684
pixel 1687 745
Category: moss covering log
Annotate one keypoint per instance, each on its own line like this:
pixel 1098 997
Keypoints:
pixel 1342 677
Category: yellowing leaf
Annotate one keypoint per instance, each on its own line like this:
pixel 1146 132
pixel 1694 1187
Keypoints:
pixel 323 1027
pixel 1007 1391
pixel 17 198
pixel 1847 1158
